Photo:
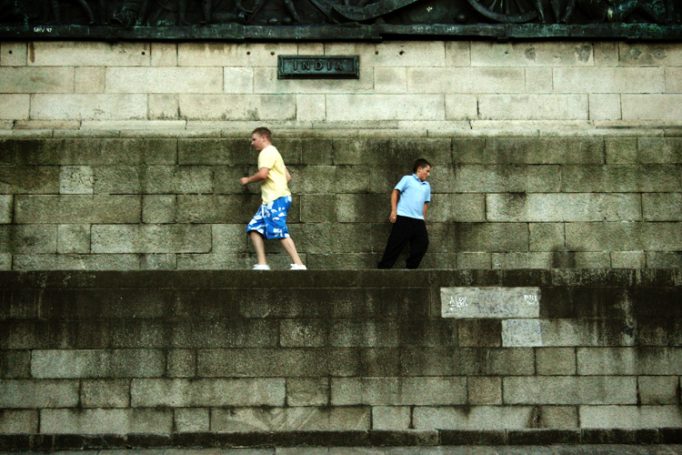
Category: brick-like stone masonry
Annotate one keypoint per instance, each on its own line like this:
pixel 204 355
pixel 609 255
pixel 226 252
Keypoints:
pixel 242 354
pixel 500 202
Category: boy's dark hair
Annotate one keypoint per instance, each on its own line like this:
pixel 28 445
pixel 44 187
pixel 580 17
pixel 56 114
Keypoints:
pixel 421 162
pixel 263 131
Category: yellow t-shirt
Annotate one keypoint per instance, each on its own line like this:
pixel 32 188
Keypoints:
pixel 275 186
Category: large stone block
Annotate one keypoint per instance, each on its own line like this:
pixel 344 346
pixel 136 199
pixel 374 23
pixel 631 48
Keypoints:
pixel 17 238
pixel 491 237
pixel 259 420
pixel 609 80
pixel 105 393
pixel 18 421
pixel 92 262
pixel 605 107
pixel 89 79
pixel 484 390
pixel 533 107
pixel 28 393
pixel 565 332
pixel 390 80
pixel 308 392
pixel 621 178
pixel 341 238
pixel 673 80
pixel 555 361
pixel 192 420
pixel 455 207
pixel 5 209
pixel 662 206
pixel 479 332
pixel 220 209
pixel 164 80
pixel 475 418
pixel 524 150
pixel 106 421
pixel 230 152
pixel 29 179
pixel 89 107
pixel 237 107
pixel 76 180
pixel 465 80
pixel 159 208
pixel 265 80
pixel 485 53
pixel 649 54
pixel 663 150
pixel 634 361
pixel 392 53
pixel 311 108
pixel 15 364
pixel 546 236
pixel 151 239
pixel 658 389
pixel 13 53
pixel 15 107
pixel 232 54
pixel 656 107
pixel 398 391
pixel 304 333
pixel 36 80
pixel 630 417
pixel 563 207
pixel 663 260
pixel 225 333
pixel 506 178
pixel 207 392
pixel 117 363
pixel 385 107
pixel 153 179
pixel 391 418
pixel 83 53
pixel 623 236
pixel 491 302
pixel 621 150
pixel 570 390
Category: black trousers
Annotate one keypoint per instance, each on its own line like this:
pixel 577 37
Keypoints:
pixel 406 230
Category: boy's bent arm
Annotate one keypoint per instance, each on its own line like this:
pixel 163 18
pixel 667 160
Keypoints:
pixel 426 208
pixel 395 195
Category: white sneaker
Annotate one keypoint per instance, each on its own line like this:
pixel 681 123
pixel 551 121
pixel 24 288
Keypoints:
pixel 298 267
pixel 260 267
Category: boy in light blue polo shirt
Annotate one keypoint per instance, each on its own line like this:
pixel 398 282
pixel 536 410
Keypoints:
pixel 410 200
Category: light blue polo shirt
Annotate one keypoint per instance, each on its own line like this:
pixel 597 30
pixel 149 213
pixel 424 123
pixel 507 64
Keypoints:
pixel 413 195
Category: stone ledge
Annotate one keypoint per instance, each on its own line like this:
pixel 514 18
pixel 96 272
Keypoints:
pixel 48 442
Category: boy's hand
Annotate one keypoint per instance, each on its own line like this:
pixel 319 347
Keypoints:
pixel 393 217
pixel 244 180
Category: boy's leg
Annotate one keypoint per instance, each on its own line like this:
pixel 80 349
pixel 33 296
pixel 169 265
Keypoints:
pixel 290 248
pixel 419 242
pixel 395 244
pixel 259 246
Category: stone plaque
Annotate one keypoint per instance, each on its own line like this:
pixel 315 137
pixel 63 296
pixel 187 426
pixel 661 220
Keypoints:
pixel 318 67
pixel 493 302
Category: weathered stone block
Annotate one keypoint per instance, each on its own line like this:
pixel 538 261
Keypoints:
pixel 555 361
pixel 364 334
pixel 89 107
pixel 237 107
pixel 13 54
pixel 89 79
pixel 491 237
pixel 530 54
pixel 385 107
pixel 69 53
pixel 521 332
pixel 310 108
pixel 662 206
pixel 475 418
pixel 308 392
pixel 106 421
pixel 117 363
pixel 15 364
pixel 164 54
pixel 219 209
pixel 623 236
pixel 484 390
pixel 455 207
pixel 15 107
pixel 565 332
pixel 342 238
pixel 163 106
pixel 76 180
pixel 36 80
pixel 153 179
pixel 609 80
pixel 533 107
pixel 225 333
pixel 398 391
pixel 77 209
pixel 159 208
pixel 151 239
pixel 232 54
pixel 570 390
pixel 523 150
pixel 625 360
pixel 563 207
pixel 181 363
pixel 647 54
pixel 621 178
pixel 628 259
pixel 479 332
pixel 390 80
pixel 18 421
pixel 461 107
pixel 658 389
pixel 465 80
pixel 164 80
pixel 228 238
pixel 391 418
pixel 29 179
pixel 496 178
pixel 492 302
pixel 546 236
pixel 297 332
pixel 673 78
pixel 652 107
pixel 662 150
pixel 73 238
pixel 260 362
pixel 240 420
pixel 105 393
pixel 76 262
pixel 522 260
pixel 5 261
pixel 17 238
pixel 621 150
pixel 207 392
pixel 630 417
pixel 538 80
pixel 38 394
pixel 663 260
pixel 605 107
pixel 192 420
pixel 318 208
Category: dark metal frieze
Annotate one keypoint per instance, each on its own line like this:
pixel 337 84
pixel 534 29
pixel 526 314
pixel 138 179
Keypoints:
pixel 318 67
pixel 240 20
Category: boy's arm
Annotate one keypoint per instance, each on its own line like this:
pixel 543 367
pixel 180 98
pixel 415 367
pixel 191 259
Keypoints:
pixel 395 195
pixel 262 174
pixel 426 208
pixel 288 175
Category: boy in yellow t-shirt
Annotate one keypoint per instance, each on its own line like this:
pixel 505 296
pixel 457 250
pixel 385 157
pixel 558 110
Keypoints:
pixel 270 221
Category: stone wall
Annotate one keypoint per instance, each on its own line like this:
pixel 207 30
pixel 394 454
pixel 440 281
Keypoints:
pixel 501 202
pixel 418 85
pixel 130 359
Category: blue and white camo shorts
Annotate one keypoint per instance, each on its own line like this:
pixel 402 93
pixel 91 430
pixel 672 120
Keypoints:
pixel 270 219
